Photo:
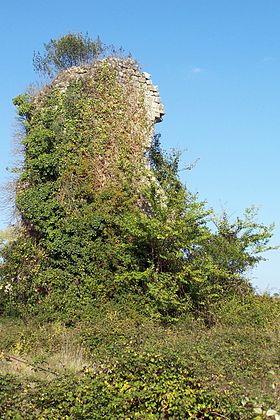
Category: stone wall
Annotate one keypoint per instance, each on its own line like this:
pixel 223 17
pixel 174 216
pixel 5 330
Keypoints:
pixel 129 74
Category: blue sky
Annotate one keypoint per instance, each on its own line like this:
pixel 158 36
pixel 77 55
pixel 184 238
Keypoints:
pixel 217 65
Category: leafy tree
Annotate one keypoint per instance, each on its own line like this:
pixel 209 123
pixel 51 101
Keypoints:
pixel 67 51
pixel 238 246
pixel 226 257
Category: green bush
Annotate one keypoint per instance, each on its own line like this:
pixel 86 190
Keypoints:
pixel 251 310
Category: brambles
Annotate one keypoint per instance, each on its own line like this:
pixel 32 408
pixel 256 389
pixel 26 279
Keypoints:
pixel 125 364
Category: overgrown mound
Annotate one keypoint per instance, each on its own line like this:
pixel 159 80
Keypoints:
pixel 103 214
pixel 113 248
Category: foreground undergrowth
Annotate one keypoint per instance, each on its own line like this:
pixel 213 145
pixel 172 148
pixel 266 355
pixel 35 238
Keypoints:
pixel 122 364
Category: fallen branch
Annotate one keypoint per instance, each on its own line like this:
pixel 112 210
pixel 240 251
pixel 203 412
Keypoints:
pixel 10 358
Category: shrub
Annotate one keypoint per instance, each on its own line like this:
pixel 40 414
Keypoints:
pixel 67 51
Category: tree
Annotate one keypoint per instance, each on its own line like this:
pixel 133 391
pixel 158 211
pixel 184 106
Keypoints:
pixel 237 247
pixel 67 51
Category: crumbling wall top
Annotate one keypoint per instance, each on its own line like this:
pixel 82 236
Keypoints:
pixel 127 71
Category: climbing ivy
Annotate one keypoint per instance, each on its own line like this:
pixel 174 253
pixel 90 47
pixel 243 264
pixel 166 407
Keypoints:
pixel 103 216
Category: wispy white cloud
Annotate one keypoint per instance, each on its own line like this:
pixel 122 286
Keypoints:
pixel 267 59
pixel 197 70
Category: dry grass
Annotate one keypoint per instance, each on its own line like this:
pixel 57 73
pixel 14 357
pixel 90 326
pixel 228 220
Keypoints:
pixel 41 351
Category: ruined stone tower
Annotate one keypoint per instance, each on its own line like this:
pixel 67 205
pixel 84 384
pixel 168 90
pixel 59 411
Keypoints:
pixel 128 74
pixel 117 107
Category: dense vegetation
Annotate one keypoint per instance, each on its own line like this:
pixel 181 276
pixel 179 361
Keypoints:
pixel 120 299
